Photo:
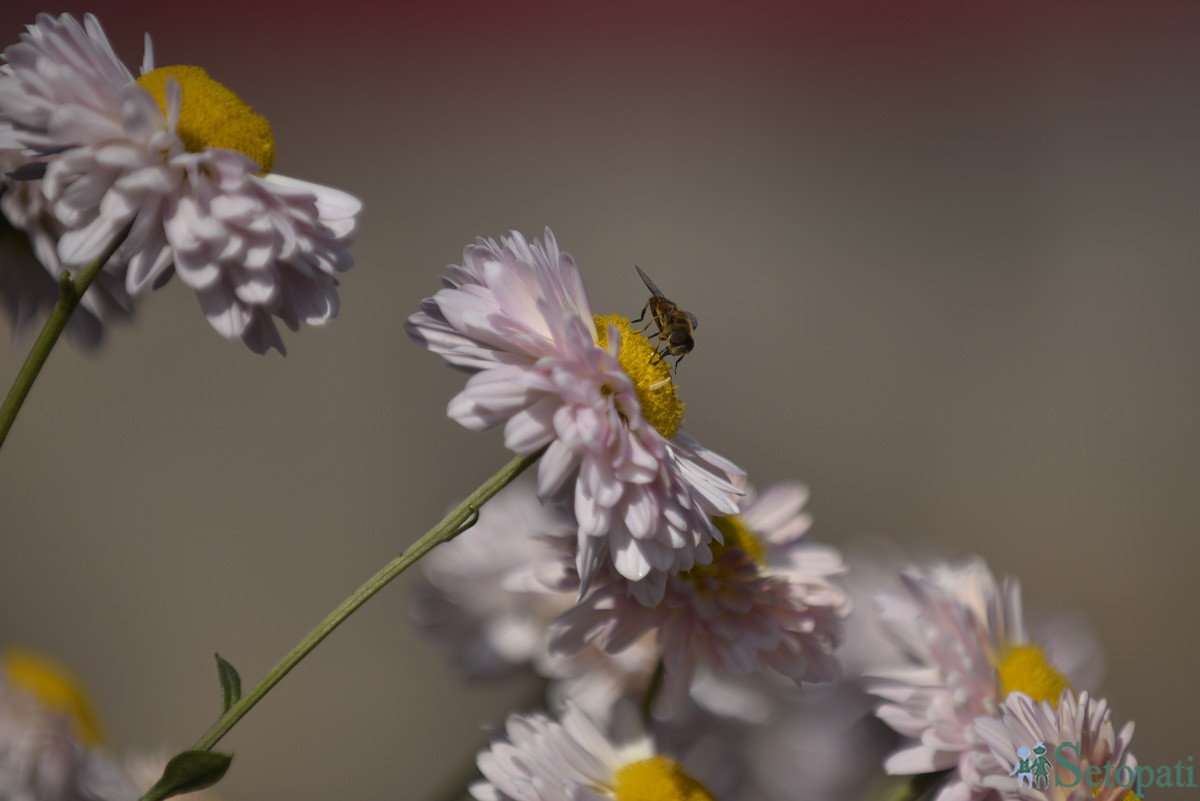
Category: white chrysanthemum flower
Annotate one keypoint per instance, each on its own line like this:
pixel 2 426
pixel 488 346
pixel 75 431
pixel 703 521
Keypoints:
pixel 539 759
pixel 176 168
pixel 966 642
pixel 1080 758
pixel 593 393
pixel 768 600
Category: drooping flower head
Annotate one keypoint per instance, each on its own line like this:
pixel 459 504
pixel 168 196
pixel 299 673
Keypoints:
pixel 965 638
pixel 768 600
pixel 539 759
pixel 1070 748
pixel 175 168
pixel 592 392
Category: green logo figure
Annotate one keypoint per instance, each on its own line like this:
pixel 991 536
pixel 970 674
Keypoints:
pixel 1041 768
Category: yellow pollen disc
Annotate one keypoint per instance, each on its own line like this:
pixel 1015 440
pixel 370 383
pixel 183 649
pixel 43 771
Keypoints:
pixel 54 687
pixel 1026 668
pixel 736 535
pixel 657 779
pixel 650 373
pixel 211 115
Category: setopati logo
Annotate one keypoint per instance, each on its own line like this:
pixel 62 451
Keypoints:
pixel 1035 768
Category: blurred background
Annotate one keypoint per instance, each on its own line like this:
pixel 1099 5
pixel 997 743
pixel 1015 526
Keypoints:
pixel 945 261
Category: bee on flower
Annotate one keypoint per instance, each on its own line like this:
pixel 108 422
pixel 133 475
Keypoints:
pixel 591 392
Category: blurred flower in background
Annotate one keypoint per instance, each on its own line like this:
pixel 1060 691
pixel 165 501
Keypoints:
pixel 966 645
pixel 51 744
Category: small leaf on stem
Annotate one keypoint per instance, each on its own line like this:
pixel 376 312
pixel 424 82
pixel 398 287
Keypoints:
pixel 188 772
pixel 231 684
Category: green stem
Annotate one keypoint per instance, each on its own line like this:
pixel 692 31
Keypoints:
pixel 453 524
pixel 70 292
pixel 656 680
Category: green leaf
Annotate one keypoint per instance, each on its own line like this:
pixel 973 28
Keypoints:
pixel 188 772
pixel 231 684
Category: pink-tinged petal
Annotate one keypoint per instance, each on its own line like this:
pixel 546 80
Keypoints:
pixel 597 474
pixel 589 558
pixel 628 558
pixel 918 759
pixel 650 590
pixel 555 466
pixel 641 513
pixel 532 427
pixel 224 313
pixel 260 288
pixel 594 519
pixel 80 245
pixel 147 263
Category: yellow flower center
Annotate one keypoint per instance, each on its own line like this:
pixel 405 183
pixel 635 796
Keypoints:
pixel 211 115
pixel 1026 668
pixel 657 779
pixel 736 535
pixel 650 373
pixel 54 687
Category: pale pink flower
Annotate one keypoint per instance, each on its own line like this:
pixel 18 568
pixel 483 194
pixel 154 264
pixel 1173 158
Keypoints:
pixel 767 601
pixel 1078 737
pixel 967 647
pixel 516 314
pixel 253 245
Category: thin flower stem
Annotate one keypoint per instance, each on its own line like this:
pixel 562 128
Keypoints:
pixel 70 292
pixel 656 680
pixel 453 524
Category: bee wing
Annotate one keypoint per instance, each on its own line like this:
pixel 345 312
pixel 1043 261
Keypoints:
pixel 654 290
pixel 692 319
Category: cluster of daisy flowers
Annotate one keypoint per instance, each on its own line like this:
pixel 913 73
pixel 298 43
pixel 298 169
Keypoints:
pixel 696 642
pixel 163 174
pixel 639 570
pixel 52 744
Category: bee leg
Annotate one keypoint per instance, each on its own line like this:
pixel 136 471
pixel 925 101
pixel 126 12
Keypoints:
pixel 641 316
